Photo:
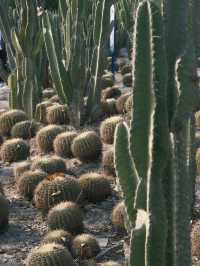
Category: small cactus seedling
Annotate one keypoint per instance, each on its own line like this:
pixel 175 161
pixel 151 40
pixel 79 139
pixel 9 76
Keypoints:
pixel 126 69
pixel 58 114
pixel 60 237
pixel 24 129
pixel 96 187
pixel 196 240
pixel 14 150
pixel 121 102
pixel 46 136
pixel 110 92
pixel 87 146
pixel 108 162
pixel 62 143
pixel 29 181
pixel 67 216
pixel 50 255
pixel 9 119
pixel 118 216
pixel 49 164
pixel 85 246
pixel 109 106
pixel 4 212
pixel 20 168
pixel 107 128
pixel 41 111
pixel 55 189
pixel 107 80
pixel 128 79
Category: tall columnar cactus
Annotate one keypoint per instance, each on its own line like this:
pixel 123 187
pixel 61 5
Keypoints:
pixel 22 32
pixel 158 144
pixel 80 31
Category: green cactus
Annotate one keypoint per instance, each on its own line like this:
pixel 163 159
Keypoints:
pixel 118 217
pixel 108 162
pixel 41 111
pixel 22 33
pixel 67 216
pixel 110 92
pixel 20 168
pixel 49 255
pixel 9 119
pixel 107 128
pixel 85 246
pixel 60 237
pixel 62 143
pixel 107 80
pixel 25 129
pixel 46 136
pixel 14 150
pixel 58 115
pixel 128 80
pixel 49 164
pixel 83 54
pixel 109 106
pixel 28 181
pixel 126 69
pixel 55 189
pixel 4 212
pixel 121 103
pixel 95 187
pixel 87 146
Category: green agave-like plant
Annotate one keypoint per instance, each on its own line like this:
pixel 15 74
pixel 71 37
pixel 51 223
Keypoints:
pixel 154 158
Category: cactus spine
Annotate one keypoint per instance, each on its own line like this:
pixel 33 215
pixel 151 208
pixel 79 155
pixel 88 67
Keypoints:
pixel 159 142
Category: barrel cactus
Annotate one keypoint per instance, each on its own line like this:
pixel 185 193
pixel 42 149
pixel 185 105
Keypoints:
pixel 107 128
pixel 9 119
pixel 109 106
pixel 29 181
pixel 110 92
pixel 67 216
pixel 46 136
pixel 197 117
pixel 118 217
pixel 121 103
pixel 62 143
pixel 14 150
pixel 49 255
pixel 108 162
pixel 60 237
pixel 54 99
pixel 24 129
pixel 96 187
pixel 41 111
pixel 126 69
pixel 128 79
pixel 49 164
pixel 87 146
pixel 85 246
pixel 20 168
pixel 58 114
pixel 109 263
pixel 55 189
pixel 4 212
pixel 107 80
pixel 198 161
